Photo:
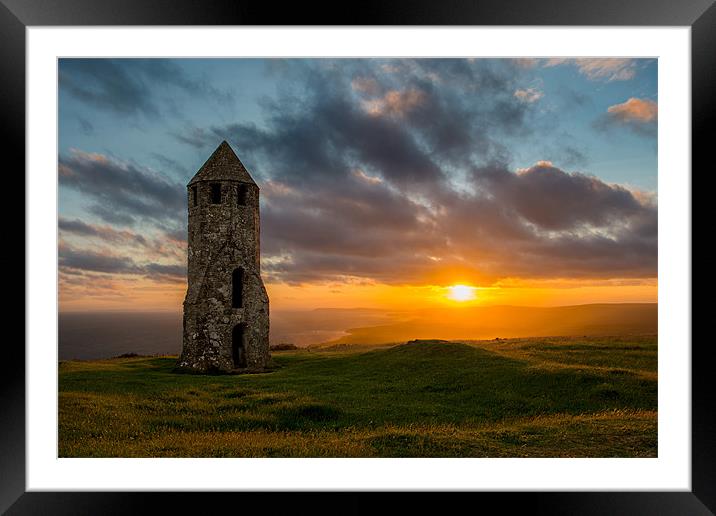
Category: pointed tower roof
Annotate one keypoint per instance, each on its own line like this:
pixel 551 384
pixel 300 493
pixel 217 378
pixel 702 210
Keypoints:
pixel 223 164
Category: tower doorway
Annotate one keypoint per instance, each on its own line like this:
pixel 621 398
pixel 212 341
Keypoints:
pixel 238 346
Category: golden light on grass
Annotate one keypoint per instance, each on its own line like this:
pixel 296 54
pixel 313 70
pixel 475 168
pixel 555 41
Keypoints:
pixel 461 293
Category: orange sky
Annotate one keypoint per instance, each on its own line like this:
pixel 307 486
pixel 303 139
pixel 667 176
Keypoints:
pixel 131 293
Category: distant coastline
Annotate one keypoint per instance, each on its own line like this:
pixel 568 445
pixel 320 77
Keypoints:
pixel 106 334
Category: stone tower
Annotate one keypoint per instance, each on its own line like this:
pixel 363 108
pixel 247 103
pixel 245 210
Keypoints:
pixel 226 309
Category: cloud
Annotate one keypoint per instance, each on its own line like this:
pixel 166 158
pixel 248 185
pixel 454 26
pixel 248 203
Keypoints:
pixel 638 115
pixel 369 191
pixel 635 110
pixel 164 270
pixel 365 85
pixel 124 195
pixel 105 233
pixel 321 128
pixel 394 103
pixel 121 192
pixel 526 62
pixel 366 177
pixel 162 246
pixel 130 86
pixel 537 222
pixel 542 222
pixel 552 199
pixel 529 95
pixel 599 69
pixel 71 259
pixel 86 260
pixel 196 137
pixel 416 187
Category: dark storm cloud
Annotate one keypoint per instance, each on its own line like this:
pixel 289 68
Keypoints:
pixel 129 86
pixel 310 266
pixel 540 222
pixel 406 125
pixel 593 256
pixel 386 172
pixel 120 192
pixel 544 222
pixel 363 220
pixel 325 143
pixel 556 200
pixel 356 166
pixel 455 127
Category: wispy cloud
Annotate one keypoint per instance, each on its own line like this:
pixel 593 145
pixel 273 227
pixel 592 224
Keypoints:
pixel 394 103
pixel 120 192
pixel 529 95
pixel 72 259
pixel 599 69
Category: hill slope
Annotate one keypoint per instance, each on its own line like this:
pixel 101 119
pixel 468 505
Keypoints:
pixel 522 398
pixel 490 322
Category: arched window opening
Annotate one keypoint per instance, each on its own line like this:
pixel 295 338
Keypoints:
pixel 241 194
pixel 238 346
pixel 194 195
pixel 215 193
pixel 237 288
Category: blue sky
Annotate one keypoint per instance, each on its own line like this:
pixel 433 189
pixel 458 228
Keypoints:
pixel 414 142
pixel 571 102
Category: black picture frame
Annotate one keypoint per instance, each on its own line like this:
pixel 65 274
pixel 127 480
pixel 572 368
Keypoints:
pixel 17 15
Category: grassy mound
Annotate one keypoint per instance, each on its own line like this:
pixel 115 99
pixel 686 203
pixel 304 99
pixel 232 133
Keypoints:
pixel 523 397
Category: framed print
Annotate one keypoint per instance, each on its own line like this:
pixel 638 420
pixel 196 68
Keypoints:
pixel 450 255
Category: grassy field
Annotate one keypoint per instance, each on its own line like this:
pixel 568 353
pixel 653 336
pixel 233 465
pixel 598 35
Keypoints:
pixel 546 397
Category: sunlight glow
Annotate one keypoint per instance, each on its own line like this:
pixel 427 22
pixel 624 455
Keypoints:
pixel 461 293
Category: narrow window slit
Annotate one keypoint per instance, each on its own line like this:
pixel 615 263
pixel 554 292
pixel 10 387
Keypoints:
pixel 241 194
pixel 215 193
pixel 237 288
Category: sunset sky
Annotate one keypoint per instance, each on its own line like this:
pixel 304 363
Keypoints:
pixel 386 183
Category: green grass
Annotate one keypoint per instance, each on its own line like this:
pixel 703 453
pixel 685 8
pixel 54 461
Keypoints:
pixel 559 397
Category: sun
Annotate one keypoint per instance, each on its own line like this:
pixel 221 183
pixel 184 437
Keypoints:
pixel 461 293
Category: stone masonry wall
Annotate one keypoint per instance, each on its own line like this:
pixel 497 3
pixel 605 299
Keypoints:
pixel 223 237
